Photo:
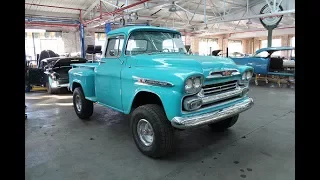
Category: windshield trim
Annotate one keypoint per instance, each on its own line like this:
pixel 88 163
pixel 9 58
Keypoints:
pixel 149 30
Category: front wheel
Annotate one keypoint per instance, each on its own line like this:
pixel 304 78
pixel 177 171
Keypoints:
pixel 82 106
pixel 224 124
pixel 152 131
pixel 51 90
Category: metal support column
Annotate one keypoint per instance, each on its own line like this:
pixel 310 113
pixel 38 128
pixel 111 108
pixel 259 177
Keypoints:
pixel 34 46
pixel 83 53
pixel 227 52
pixel 270 37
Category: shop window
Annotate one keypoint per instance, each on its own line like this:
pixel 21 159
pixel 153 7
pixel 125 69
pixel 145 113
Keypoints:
pixel 100 39
pixel 46 34
pixel 206 46
pixel 234 46
pixel 36 35
pixel 36 42
pixel 292 44
pixel 183 39
pixel 274 43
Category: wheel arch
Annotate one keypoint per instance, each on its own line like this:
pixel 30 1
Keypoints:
pixel 145 97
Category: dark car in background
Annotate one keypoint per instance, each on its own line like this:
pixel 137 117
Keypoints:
pixel 53 73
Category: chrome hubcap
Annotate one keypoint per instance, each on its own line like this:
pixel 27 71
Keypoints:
pixel 78 103
pixel 145 132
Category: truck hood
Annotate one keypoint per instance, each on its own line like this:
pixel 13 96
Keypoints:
pixel 203 64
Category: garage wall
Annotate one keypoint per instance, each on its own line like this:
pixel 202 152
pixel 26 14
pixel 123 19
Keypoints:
pixel 88 39
pixel 249 45
pixel 195 44
pixel 188 40
pixel 71 41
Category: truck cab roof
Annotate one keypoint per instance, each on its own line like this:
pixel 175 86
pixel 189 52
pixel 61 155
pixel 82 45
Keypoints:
pixel 127 30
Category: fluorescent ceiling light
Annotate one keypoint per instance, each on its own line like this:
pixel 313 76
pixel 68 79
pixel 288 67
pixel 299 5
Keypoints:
pixel 35 30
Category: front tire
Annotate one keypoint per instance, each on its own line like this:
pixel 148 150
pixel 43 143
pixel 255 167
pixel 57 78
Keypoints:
pixel 152 131
pixel 51 90
pixel 82 106
pixel 224 124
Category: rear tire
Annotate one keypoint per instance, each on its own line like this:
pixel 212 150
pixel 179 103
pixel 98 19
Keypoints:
pixel 161 141
pixel 224 124
pixel 82 106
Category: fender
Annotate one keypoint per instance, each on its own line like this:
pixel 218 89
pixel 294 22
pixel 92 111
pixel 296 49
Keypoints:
pixel 170 99
pixel 85 77
pixel 243 68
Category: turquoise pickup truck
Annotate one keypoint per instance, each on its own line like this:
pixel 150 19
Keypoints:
pixel 146 72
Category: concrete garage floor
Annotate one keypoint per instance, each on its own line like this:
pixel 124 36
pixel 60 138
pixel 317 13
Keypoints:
pixel 58 145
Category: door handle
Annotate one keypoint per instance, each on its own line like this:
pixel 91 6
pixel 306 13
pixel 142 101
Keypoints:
pixel 250 63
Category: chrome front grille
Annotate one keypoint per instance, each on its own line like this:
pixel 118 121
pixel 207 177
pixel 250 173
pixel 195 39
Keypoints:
pixel 212 89
pixel 217 94
pixel 63 80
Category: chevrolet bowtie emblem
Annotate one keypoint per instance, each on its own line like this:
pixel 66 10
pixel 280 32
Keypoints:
pixel 226 73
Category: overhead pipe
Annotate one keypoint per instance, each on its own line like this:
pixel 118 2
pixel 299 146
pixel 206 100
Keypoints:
pixel 141 18
pixel 259 30
pixel 115 12
pixel 214 34
pixel 51 24
pixel 130 24
pixel 257 16
pixel 60 7
pixel 48 20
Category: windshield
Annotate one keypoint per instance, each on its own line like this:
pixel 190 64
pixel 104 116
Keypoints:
pixel 262 54
pixel 154 42
pixel 283 54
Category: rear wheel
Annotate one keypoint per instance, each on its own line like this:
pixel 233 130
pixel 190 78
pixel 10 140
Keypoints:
pixel 224 124
pixel 82 106
pixel 152 131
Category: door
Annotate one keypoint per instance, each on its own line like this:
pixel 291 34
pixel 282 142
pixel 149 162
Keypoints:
pixel 108 74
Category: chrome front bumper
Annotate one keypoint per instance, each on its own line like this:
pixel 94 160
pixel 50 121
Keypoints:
pixel 212 117
pixel 63 85
pixel 56 85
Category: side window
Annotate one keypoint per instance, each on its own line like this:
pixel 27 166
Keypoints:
pixel 114 47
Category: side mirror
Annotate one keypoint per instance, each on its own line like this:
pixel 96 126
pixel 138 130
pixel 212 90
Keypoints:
pixel 112 52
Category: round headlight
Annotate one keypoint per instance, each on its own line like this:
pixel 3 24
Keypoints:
pixel 196 83
pixel 188 85
pixel 249 75
pixel 244 76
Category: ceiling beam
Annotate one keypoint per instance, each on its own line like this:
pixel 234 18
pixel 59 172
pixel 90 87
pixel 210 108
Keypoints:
pixel 109 3
pixel 90 8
